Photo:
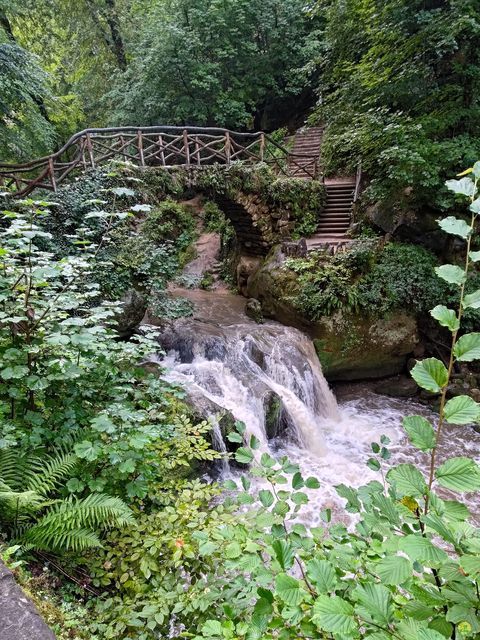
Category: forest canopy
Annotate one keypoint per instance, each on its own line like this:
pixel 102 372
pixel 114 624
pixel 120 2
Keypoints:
pixel 396 83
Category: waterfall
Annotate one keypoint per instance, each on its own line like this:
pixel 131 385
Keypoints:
pixel 244 368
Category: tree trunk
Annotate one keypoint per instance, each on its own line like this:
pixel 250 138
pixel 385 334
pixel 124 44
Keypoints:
pixel 118 46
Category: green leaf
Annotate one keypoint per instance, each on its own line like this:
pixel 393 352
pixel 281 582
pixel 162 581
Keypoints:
pixel 475 206
pixel 422 549
pixel 122 191
pixel 127 466
pixel 374 603
pixel 351 495
pixel 461 410
pixel 446 317
pixel 266 497
pixel 289 590
pixel 212 628
pixel 74 485
pixel 408 480
pixel 299 498
pixel 243 455
pixel 312 483
pixel 394 570
pixel 451 273
pixel 233 550
pixel 474 256
pixel 322 575
pixel 87 450
pixel 472 300
pixel 471 565
pixel 464 187
pixel 283 553
pixel 420 432
pixel 297 481
pixel 468 347
pixel 334 614
pixel 430 374
pixel 459 474
pixel 254 442
pixel 233 436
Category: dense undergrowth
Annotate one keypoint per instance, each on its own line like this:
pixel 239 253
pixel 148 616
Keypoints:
pixel 101 461
pixel 374 278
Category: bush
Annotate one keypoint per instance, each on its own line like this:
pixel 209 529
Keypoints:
pixel 403 278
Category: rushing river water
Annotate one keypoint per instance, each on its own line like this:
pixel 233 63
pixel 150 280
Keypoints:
pixel 268 376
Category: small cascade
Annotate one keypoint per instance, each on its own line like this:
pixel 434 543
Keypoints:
pixel 267 376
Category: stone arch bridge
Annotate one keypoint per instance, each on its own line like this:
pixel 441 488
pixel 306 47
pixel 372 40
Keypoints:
pixel 194 149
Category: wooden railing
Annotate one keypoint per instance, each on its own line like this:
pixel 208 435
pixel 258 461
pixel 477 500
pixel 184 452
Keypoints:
pixel 161 146
pixel 358 182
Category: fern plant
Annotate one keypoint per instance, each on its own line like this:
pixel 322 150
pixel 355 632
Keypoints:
pixel 33 517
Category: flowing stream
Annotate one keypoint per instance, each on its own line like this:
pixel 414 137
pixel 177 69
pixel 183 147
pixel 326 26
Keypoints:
pixel 268 376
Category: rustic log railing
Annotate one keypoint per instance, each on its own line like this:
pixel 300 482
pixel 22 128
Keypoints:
pixel 161 146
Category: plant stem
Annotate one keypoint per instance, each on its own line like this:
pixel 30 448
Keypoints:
pixel 451 362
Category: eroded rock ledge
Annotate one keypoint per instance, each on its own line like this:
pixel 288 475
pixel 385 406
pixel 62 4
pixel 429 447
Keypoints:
pixel 19 619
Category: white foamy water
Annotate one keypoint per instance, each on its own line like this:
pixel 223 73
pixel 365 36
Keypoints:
pixel 228 363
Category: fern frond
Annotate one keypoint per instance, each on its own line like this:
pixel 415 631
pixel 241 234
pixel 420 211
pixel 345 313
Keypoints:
pixel 16 468
pixel 96 510
pixel 50 471
pixel 44 537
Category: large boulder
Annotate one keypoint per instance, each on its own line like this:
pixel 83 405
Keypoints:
pixel 19 619
pixel 351 346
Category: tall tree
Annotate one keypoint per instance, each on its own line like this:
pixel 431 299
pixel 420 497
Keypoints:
pixel 225 63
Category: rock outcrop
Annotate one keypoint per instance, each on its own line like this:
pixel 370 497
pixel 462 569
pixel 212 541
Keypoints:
pixel 351 346
pixel 19 619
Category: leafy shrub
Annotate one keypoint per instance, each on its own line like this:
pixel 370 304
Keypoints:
pixel 169 221
pixel 403 278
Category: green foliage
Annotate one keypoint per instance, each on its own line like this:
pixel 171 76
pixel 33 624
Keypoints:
pixel 32 516
pixel 25 129
pixel 300 201
pixel 367 277
pixel 403 278
pixel 401 96
pixel 228 64
pixel 169 221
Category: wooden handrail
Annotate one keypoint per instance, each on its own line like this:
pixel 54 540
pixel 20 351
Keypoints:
pixel 358 181
pixel 166 146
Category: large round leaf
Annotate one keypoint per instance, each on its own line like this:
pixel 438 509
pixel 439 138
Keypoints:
pixel 468 347
pixel 459 474
pixel 461 410
pixel 408 480
pixel 334 614
pixel 430 374
pixel 420 432
pixel 394 570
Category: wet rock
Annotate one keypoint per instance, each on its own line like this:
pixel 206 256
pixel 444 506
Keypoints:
pixel 399 387
pixel 253 309
pixel 351 346
pixel 133 312
pixel 19 619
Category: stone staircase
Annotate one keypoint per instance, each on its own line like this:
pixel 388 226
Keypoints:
pixel 307 143
pixel 335 219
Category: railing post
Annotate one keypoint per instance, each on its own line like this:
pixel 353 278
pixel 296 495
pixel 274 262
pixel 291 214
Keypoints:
pixel 140 148
pixel 122 147
pixel 186 148
pixel 90 151
pixel 227 147
pixel 162 154
pixel 262 146
pixel 51 170
pixel 197 151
